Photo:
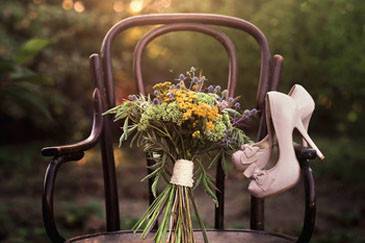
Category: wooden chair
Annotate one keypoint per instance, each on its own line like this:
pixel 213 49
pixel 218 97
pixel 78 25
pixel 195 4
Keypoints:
pixel 104 98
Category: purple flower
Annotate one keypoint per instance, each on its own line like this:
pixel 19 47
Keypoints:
pixel 182 76
pixel 227 140
pixel 237 105
pixel 156 101
pixel 254 112
pixel 223 105
pixel 217 89
pixel 156 92
pixel 171 96
pixel 132 97
pixel 210 89
pixel 194 80
pixel 246 119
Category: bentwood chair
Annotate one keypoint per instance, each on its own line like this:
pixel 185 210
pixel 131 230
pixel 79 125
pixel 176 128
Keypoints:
pixel 101 131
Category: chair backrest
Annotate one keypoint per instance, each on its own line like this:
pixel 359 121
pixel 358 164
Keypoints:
pixel 102 70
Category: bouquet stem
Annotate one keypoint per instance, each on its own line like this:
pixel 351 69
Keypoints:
pixel 173 205
pixel 180 227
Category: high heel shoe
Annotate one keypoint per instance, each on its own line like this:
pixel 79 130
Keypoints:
pixel 285 174
pixel 253 157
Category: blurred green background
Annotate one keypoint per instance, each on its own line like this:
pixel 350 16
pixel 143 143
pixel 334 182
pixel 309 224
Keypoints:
pixel 45 90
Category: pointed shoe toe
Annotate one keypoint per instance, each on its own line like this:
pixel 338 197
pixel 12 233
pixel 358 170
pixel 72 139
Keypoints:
pixel 255 190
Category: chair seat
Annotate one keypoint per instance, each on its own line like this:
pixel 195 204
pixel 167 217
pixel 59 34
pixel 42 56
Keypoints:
pixel 226 236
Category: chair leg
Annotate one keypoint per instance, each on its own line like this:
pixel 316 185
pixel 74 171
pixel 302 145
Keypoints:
pixel 257 218
pixel 219 211
pixel 110 182
pixel 310 203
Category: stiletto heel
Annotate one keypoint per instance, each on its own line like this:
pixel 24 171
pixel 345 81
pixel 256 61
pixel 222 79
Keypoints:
pixel 306 137
pixel 306 125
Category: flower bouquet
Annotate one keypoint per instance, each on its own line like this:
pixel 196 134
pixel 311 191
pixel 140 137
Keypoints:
pixel 185 129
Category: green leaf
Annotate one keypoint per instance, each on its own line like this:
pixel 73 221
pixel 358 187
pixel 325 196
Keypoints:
pixel 154 185
pixel 30 49
pixel 125 128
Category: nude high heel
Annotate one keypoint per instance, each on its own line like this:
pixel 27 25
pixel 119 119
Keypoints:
pixel 284 115
pixel 253 157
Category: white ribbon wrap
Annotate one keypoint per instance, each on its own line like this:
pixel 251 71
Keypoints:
pixel 182 173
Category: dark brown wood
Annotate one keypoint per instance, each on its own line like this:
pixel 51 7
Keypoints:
pixel 219 211
pixel 106 145
pixel 209 19
pixel 310 203
pixel 229 236
pixel 257 219
pixel 110 181
pixel 219 36
pixel 48 190
pixel 87 143
pixel 277 64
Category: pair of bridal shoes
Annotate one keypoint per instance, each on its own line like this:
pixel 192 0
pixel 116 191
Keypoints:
pixel 284 113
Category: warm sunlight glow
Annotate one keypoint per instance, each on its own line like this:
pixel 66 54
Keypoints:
pixel 136 6
pixel 37 1
pixel 79 7
pixel 67 4
pixel 118 6
pixel 162 4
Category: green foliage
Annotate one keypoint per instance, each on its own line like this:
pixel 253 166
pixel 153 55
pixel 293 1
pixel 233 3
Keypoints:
pixel 323 53
pixel 25 93
pixel 30 49
pixel 345 161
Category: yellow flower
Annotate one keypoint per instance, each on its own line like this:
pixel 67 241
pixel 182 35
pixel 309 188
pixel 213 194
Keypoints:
pixel 209 125
pixel 196 134
pixel 187 115
pixel 162 86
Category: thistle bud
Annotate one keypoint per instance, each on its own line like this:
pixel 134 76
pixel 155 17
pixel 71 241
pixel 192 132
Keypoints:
pixel 132 97
pixel 156 101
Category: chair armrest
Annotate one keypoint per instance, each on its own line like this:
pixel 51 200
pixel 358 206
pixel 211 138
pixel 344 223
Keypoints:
pixel 63 154
pixel 87 143
pixel 304 153
pixel 47 197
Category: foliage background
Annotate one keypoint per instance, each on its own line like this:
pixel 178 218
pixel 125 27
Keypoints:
pixel 45 91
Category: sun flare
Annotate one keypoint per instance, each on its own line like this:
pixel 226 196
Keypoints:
pixel 136 6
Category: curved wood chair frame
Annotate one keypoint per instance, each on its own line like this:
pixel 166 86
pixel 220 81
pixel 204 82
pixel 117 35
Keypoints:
pixel 104 98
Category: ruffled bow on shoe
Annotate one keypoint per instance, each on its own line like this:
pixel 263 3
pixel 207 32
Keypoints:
pixel 251 157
